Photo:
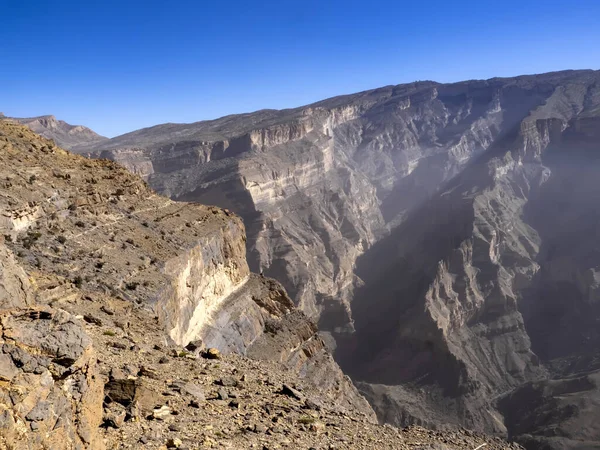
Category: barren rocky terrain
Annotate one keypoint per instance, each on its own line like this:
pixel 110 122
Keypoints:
pixel 444 236
pixel 59 131
pixel 128 320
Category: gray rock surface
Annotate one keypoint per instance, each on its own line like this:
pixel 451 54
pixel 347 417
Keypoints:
pixel 446 234
pixel 61 132
pixel 51 389
pixel 15 291
pixel 490 283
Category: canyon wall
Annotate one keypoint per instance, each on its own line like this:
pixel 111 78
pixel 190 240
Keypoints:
pixel 86 233
pixel 441 233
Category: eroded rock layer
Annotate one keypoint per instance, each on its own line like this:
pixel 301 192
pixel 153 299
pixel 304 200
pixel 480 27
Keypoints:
pixel 445 233
pixel 92 256
pixel 62 133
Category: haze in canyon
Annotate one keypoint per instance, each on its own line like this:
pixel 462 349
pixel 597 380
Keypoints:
pixel 314 225
pixel 443 237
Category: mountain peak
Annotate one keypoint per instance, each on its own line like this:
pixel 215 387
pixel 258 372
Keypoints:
pixel 63 133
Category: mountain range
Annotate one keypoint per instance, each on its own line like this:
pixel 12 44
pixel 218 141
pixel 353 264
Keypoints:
pixel 443 236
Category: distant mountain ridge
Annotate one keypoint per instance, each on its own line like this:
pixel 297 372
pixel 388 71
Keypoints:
pixel 63 133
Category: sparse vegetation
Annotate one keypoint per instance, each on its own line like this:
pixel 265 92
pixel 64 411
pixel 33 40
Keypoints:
pixel 30 239
pixel 78 281
pixel 306 420
pixel 132 285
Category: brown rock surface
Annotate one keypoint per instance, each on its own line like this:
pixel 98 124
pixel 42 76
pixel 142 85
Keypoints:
pixel 444 234
pixel 144 276
pixel 51 388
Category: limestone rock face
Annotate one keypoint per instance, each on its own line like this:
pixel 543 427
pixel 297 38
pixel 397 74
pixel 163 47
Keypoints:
pixel 445 234
pixel 201 278
pixel 61 132
pixel 175 271
pixel 51 394
pixel 15 291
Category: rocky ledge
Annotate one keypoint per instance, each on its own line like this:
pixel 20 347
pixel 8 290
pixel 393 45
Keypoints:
pixel 128 319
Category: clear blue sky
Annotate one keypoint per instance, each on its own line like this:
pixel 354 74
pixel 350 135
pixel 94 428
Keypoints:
pixel 116 66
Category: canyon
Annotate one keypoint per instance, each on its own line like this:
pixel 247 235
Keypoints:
pixel 128 320
pixel 444 237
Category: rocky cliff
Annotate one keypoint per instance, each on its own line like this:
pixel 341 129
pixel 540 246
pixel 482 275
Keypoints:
pixel 444 233
pixel 492 294
pixel 88 230
pixel 128 320
pixel 63 134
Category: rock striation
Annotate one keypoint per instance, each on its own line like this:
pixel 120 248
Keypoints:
pixel 130 320
pixel 61 132
pixel 52 392
pixel 444 234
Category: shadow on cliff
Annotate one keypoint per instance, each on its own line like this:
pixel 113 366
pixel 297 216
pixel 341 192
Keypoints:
pixel 395 342
pixel 225 190
pixel 562 306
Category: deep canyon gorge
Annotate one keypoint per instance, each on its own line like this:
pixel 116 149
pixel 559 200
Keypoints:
pixel 444 237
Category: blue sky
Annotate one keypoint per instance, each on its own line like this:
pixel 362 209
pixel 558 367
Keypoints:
pixel 116 66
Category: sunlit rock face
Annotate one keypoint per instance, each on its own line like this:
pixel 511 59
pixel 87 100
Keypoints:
pixel 64 134
pixel 444 233
pixel 89 229
pixel 318 185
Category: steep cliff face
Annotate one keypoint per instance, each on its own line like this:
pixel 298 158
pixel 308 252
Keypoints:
pixel 472 302
pixel 61 132
pixel 422 218
pixel 89 234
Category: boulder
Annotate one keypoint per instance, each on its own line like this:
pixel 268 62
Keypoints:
pixel 50 382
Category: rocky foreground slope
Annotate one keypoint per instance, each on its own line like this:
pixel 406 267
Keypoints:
pixel 445 234
pixel 129 320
